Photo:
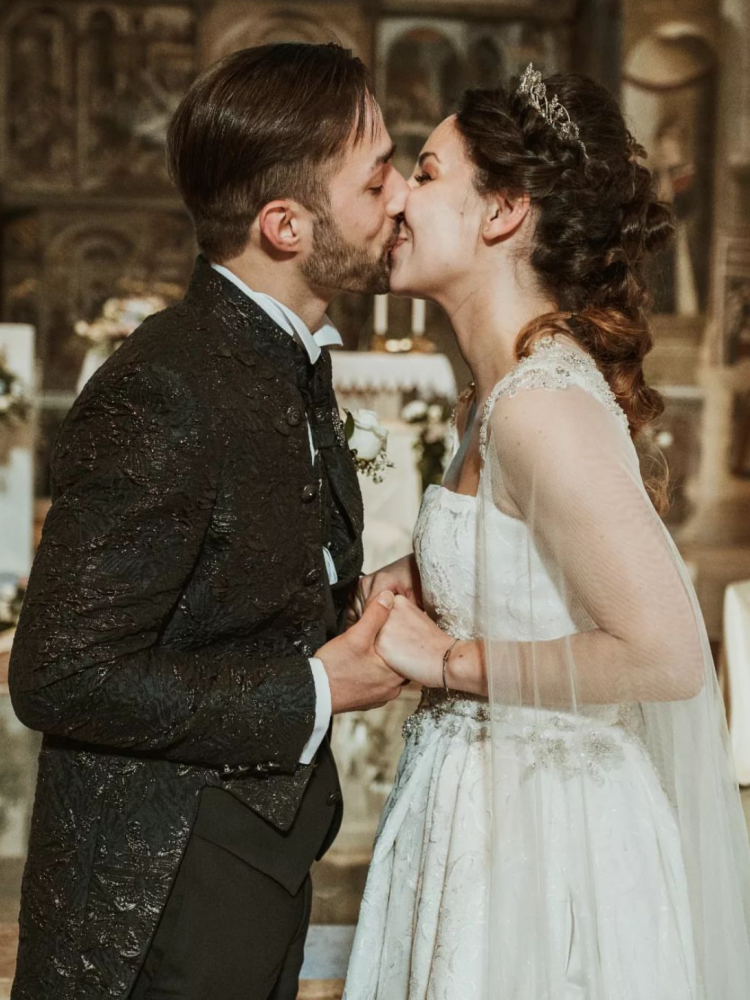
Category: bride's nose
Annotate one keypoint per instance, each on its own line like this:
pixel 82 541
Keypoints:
pixel 398 189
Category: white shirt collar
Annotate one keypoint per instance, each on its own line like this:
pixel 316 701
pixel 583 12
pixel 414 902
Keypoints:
pixel 288 320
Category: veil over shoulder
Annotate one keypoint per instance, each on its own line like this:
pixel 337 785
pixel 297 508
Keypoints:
pixel 620 862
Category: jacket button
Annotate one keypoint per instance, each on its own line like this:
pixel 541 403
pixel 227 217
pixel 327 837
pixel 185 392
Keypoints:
pixel 293 416
pixel 312 576
pixel 333 798
pixel 309 493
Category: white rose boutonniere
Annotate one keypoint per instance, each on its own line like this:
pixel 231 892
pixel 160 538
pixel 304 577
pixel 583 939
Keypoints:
pixel 367 440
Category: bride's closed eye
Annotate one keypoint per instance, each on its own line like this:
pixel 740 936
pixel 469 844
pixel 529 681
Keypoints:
pixel 421 178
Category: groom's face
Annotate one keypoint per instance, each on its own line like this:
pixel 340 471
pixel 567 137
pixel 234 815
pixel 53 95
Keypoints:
pixel 353 235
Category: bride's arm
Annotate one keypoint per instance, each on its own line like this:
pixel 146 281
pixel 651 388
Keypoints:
pixel 608 668
pixel 544 677
pixel 567 465
pixel 563 463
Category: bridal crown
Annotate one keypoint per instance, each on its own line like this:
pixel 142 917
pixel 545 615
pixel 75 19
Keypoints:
pixel 554 113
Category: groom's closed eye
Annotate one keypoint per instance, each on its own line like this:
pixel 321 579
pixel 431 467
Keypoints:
pixel 379 167
pixel 376 182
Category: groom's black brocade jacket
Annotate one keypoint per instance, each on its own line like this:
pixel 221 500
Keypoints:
pixel 177 594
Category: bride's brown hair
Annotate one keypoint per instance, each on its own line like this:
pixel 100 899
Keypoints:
pixel 597 219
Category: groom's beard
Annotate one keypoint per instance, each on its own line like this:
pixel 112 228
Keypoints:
pixel 334 263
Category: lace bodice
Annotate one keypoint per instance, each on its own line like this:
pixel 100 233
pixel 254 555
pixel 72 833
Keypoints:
pixel 447 529
pixel 445 546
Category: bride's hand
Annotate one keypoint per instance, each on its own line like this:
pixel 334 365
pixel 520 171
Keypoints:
pixel 400 577
pixel 412 644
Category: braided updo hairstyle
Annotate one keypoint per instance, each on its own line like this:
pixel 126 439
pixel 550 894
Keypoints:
pixel 597 218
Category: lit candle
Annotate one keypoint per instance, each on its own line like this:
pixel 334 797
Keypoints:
pixel 381 314
pixel 418 317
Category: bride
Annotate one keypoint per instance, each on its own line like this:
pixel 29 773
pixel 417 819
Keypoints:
pixel 564 824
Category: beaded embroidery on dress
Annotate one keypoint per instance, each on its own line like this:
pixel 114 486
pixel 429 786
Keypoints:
pixel 423 928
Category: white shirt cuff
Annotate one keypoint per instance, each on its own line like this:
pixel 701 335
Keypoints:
pixel 323 710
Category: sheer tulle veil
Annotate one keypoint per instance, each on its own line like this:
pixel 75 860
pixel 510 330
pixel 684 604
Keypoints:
pixel 618 835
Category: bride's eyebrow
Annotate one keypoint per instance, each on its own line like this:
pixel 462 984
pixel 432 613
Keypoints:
pixel 424 156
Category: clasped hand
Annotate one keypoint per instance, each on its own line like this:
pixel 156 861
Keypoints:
pixel 409 641
pixel 389 642
pixel 412 644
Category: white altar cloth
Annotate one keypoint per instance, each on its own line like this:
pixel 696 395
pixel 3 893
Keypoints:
pixel 374 371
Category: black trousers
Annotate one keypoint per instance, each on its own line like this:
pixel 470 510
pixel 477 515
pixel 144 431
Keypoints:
pixel 235 922
pixel 228 931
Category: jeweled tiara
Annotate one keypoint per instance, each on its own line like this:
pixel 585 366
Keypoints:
pixel 554 113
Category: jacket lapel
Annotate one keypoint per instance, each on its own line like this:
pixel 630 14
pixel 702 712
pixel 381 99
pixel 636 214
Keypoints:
pixel 329 437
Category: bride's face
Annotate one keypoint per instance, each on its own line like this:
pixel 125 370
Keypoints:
pixel 440 234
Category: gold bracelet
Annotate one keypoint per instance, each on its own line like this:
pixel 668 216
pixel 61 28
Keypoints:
pixel 446 657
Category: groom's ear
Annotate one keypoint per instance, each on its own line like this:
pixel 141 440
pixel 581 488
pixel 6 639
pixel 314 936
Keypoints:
pixel 284 225
pixel 503 216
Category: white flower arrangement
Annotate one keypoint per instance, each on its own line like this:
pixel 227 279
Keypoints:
pixel 433 442
pixel 118 319
pixel 123 313
pixel 11 598
pixel 368 442
pixel 14 400
pixel 415 412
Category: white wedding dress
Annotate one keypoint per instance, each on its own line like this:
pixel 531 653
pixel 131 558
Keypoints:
pixel 423 930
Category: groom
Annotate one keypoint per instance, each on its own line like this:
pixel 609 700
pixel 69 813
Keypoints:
pixel 179 646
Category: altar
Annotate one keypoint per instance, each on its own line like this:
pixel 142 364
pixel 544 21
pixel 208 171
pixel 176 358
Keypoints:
pixel 385 383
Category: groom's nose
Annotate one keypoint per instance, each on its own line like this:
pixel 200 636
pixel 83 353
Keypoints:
pixel 398 189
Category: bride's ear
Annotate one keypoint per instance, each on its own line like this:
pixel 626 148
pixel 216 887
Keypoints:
pixel 504 214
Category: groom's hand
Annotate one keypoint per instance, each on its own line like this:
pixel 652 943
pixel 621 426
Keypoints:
pixel 358 676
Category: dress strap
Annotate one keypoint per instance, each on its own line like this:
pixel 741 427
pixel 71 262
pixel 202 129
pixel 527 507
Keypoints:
pixel 551 365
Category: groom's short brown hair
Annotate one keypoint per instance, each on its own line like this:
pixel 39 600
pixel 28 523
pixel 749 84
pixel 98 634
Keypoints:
pixel 264 123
